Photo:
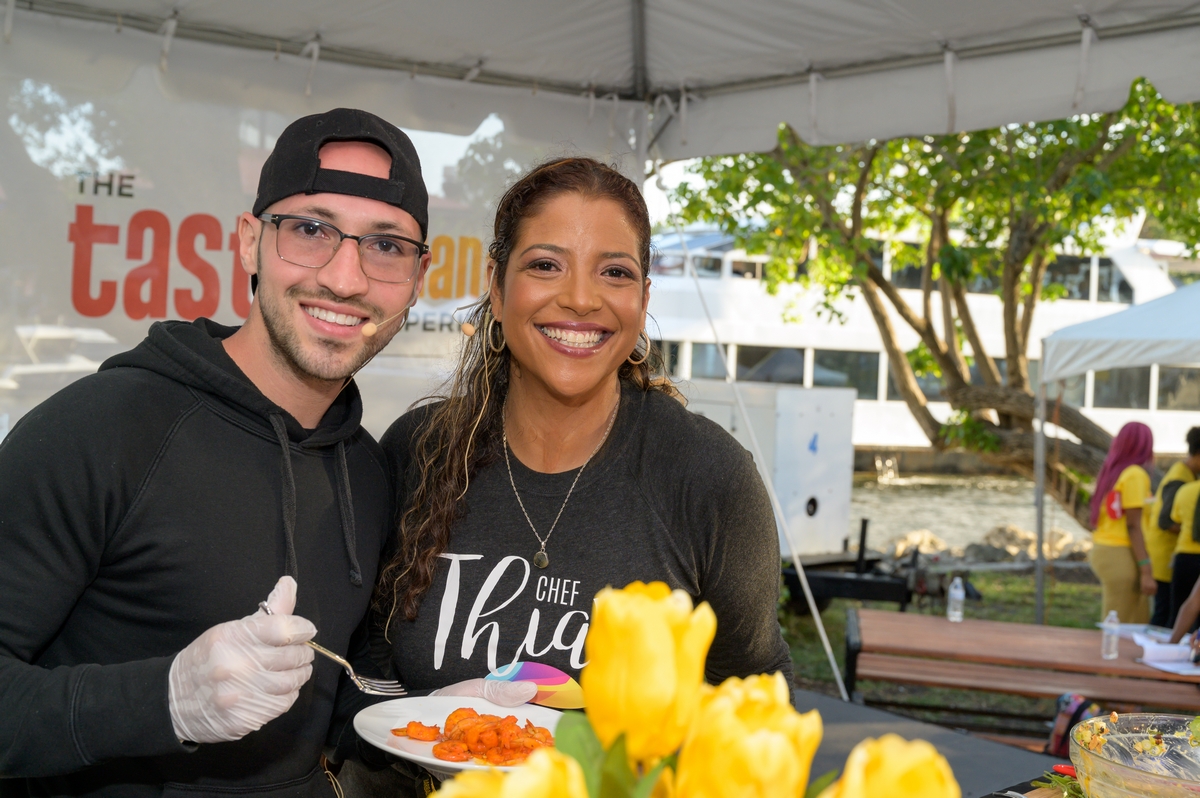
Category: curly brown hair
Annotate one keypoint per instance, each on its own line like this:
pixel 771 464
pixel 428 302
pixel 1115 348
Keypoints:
pixel 462 433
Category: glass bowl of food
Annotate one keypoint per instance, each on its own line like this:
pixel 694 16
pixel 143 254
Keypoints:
pixel 1137 754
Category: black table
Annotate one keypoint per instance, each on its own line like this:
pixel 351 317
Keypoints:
pixel 981 766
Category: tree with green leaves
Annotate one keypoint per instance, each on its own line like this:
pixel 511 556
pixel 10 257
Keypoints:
pixel 993 203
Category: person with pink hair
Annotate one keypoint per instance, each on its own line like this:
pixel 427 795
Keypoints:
pixel 1119 557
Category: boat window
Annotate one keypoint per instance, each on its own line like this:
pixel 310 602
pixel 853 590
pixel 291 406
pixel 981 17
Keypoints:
pixel 668 358
pixel 769 364
pixel 858 370
pixel 667 264
pixel 708 362
pixel 707 266
pixel 1124 388
pixel 1113 287
pixel 1073 273
pixel 747 269
pixel 1178 388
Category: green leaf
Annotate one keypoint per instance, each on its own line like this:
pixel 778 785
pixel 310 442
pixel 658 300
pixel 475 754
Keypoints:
pixel 575 737
pixel 815 788
pixel 922 362
pixel 1069 787
pixel 964 431
pixel 645 785
pixel 616 779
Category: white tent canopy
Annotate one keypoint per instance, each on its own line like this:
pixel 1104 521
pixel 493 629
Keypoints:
pixel 1161 331
pixel 700 77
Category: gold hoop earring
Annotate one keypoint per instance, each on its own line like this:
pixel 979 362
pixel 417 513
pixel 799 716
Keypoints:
pixel 645 353
pixel 491 323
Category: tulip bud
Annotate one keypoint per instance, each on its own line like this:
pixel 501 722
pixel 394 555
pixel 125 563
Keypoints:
pixel 546 774
pixel 747 740
pixel 646 649
pixel 894 767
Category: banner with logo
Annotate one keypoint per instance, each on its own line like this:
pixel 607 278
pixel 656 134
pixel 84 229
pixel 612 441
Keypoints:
pixel 121 182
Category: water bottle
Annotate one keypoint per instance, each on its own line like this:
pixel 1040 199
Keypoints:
pixel 954 600
pixel 1112 636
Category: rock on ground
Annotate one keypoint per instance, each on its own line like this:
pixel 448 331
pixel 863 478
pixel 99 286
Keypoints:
pixel 1014 541
pixel 921 539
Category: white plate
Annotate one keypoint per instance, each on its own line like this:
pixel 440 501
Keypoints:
pixel 375 723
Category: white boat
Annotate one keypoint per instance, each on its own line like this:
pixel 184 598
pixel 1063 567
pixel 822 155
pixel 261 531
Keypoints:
pixel 785 338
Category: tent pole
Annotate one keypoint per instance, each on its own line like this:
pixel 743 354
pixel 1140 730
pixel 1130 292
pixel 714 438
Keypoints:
pixel 1039 500
pixel 640 82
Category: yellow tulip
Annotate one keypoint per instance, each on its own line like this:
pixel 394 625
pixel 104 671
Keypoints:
pixel 893 767
pixel 665 786
pixel 546 774
pixel 748 741
pixel 646 649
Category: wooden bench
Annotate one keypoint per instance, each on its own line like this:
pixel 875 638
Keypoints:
pixel 1031 682
pixel 993 656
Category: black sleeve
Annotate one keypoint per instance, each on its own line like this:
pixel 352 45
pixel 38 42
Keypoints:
pixel 1168 502
pixel 66 476
pixel 729 509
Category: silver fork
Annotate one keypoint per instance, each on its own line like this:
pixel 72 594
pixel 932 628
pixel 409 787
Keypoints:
pixel 363 683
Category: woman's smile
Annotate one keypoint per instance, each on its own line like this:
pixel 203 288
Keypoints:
pixel 575 339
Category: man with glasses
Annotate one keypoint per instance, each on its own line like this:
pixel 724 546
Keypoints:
pixel 149 508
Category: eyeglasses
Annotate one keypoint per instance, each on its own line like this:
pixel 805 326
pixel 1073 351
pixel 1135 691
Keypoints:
pixel 312 243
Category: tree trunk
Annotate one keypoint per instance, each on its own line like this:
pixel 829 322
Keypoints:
pixel 950 332
pixel 1010 293
pixel 1017 447
pixel 987 366
pixel 1020 404
pixel 922 327
pixel 1037 271
pixel 902 374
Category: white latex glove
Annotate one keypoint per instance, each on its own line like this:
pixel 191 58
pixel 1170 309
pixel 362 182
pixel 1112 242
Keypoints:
pixel 505 694
pixel 238 675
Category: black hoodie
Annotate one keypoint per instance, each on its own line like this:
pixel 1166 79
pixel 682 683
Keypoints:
pixel 142 505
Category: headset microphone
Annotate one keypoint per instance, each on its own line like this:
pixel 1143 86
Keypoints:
pixel 371 329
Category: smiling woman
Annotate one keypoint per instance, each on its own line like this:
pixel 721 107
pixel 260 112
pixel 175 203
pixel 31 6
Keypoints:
pixel 556 464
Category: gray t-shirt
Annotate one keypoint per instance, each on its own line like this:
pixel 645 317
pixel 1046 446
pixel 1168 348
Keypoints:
pixel 669 497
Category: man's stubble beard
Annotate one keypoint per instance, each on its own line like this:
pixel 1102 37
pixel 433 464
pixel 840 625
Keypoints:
pixel 289 352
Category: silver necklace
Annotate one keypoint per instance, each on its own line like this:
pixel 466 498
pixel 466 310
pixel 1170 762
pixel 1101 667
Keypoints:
pixel 541 560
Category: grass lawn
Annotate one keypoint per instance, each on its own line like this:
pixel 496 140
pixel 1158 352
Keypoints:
pixel 1005 598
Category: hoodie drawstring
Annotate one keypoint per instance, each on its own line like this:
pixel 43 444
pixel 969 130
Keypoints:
pixel 289 496
pixel 346 505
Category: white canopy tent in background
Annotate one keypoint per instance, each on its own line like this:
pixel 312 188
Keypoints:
pixel 640 80
pixel 700 77
pixel 1163 330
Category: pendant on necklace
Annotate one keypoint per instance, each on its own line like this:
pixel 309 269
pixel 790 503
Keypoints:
pixel 541 560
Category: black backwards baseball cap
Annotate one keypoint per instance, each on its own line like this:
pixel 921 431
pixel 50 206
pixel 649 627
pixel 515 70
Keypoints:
pixel 294 166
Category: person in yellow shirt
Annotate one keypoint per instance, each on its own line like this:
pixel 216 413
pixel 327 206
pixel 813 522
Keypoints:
pixel 1162 533
pixel 1187 549
pixel 1119 557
